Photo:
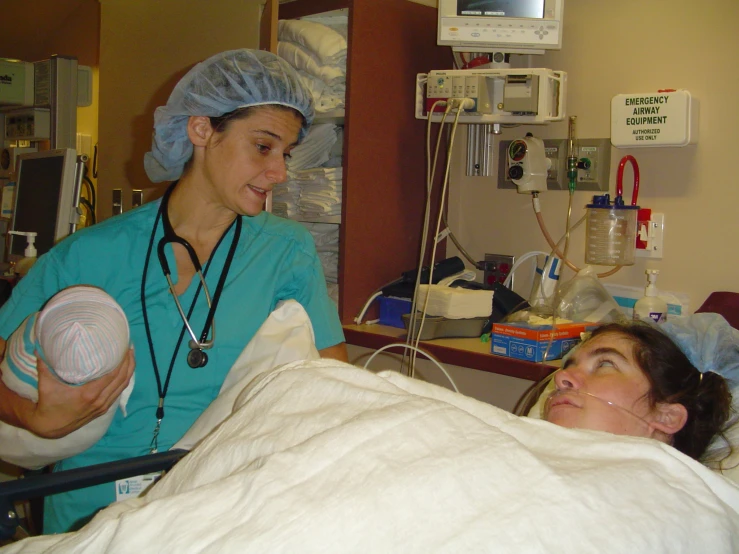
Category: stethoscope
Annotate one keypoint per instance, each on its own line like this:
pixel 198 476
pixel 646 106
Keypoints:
pixel 196 357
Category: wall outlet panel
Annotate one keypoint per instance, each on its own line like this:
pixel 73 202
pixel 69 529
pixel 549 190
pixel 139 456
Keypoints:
pixel 497 269
pixel 598 151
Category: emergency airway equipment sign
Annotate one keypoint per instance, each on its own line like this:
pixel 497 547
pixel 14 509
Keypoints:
pixel 668 118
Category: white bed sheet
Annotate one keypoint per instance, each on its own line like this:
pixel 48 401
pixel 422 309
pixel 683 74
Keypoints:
pixel 320 456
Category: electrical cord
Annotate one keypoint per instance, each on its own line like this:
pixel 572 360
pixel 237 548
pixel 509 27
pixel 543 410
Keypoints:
pixel 430 174
pixel 91 187
pixel 376 294
pixel 459 107
pixel 86 203
pixel 90 192
pixel 450 234
pixel 519 262
pixel 95 162
pixel 415 349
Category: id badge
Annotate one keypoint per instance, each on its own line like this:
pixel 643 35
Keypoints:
pixel 135 486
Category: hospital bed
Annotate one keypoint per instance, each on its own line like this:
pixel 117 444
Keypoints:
pixel 380 463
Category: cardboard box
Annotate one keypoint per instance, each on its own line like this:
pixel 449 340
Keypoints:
pixel 392 310
pixel 529 342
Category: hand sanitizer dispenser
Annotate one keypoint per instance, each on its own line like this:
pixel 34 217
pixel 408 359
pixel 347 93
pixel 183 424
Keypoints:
pixel 24 265
pixel 651 306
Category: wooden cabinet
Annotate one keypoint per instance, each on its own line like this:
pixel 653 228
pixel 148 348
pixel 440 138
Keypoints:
pixel 384 163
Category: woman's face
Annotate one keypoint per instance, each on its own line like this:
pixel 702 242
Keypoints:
pixel 248 159
pixel 603 367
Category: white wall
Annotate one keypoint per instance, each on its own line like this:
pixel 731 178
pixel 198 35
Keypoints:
pixel 632 46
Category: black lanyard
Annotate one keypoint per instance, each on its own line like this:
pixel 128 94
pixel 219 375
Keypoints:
pixel 162 390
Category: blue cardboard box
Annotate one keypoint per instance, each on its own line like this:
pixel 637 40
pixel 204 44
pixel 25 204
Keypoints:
pixel 392 310
pixel 529 342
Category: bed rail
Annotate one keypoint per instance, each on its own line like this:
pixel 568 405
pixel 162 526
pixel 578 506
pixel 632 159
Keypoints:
pixel 36 486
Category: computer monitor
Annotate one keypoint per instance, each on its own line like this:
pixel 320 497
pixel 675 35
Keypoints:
pixel 514 26
pixel 46 198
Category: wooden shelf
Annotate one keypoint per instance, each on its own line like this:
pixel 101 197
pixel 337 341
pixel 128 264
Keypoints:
pixel 333 219
pixel 334 116
pixel 472 352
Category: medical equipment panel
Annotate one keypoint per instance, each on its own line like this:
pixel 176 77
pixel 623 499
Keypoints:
pixel 32 124
pixel 595 178
pixel 518 96
pixel 46 198
pixel 523 26
pixel 16 83
pixel 9 159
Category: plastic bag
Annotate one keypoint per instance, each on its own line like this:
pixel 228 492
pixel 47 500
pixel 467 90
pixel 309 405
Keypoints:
pixel 584 298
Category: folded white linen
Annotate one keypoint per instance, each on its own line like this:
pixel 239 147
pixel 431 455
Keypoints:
pixel 326 44
pixel 325 98
pixel 314 150
pixel 302 60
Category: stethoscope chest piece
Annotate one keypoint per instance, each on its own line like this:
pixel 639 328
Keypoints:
pixel 196 358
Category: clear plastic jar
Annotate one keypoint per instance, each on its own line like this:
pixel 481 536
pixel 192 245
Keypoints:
pixel 610 236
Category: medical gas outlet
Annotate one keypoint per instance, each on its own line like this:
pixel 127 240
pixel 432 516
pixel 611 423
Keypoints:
pixel 528 164
pixel 521 96
pixel 596 152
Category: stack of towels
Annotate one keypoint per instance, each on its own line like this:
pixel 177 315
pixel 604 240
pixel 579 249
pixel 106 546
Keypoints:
pixel 318 52
pixel 320 145
pixel 309 194
pixel 320 149
pixel 320 191
pixel 454 302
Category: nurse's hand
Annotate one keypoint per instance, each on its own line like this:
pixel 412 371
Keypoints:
pixel 62 409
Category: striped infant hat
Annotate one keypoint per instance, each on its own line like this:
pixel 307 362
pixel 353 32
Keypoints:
pixel 81 333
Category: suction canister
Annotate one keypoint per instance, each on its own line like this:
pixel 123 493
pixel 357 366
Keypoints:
pixel 610 236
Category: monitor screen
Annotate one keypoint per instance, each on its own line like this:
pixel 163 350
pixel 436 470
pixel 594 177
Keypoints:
pixel 512 26
pixel 46 194
pixel 501 8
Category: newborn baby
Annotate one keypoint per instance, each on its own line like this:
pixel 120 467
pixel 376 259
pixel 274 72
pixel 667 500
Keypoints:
pixel 81 334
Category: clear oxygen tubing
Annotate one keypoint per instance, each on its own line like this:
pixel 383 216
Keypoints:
pixel 406 346
pixel 430 174
pixel 459 107
pixel 583 396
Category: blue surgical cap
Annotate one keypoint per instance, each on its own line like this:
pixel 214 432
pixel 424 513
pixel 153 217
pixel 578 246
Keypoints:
pixel 217 86
pixel 709 342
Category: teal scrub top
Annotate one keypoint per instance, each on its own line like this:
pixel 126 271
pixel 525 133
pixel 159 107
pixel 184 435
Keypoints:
pixel 275 260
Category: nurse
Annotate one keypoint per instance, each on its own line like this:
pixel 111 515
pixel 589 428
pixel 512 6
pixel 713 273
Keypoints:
pixel 196 273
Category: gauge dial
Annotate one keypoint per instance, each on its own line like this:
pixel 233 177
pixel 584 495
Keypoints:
pixel 517 150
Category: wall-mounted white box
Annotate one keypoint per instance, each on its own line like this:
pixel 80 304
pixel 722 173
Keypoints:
pixel 668 118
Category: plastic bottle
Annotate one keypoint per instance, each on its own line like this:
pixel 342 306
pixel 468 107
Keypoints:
pixel 651 306
pixel 29 254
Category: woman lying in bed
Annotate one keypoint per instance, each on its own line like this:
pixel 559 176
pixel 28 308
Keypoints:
pixel 634 380
pixel 321 456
